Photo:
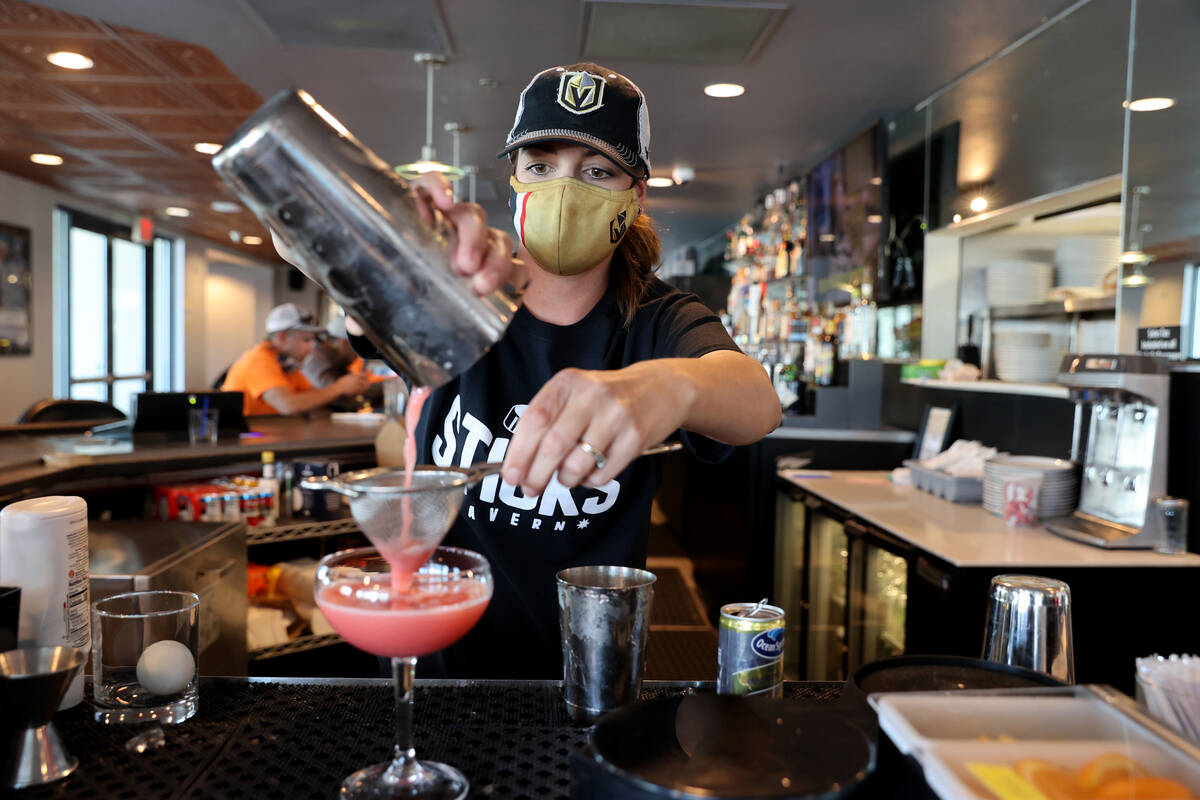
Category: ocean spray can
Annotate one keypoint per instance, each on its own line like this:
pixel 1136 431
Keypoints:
pixel 750 650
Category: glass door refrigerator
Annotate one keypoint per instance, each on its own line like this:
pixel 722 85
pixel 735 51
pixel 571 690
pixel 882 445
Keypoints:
pixel 878 595
pixel 826 571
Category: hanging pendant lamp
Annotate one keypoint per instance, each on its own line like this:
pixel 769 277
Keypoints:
pixel 428 161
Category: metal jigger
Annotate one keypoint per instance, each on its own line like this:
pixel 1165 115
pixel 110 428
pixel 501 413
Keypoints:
pixel 32 683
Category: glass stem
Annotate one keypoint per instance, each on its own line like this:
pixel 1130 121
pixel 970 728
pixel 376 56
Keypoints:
pixel 405 761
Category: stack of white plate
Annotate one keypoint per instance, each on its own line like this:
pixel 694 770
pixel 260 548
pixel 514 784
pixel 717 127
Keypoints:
pixel 1060 483
pixel 1014 283
pixel 1026 357
pixel 1084 260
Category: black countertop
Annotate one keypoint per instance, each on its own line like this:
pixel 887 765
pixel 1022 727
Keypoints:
pixel 299 738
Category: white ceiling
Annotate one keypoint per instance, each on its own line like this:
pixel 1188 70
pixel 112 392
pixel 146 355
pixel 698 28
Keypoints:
pixel 827 71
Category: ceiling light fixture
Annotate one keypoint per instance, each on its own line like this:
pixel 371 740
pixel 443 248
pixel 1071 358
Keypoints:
pixel 252 240
pixel 176 211
pixel 659 182
pixel 208 148
pixel 874 219
pixel 979 203
pixel 1136 277
pixel 225 206
pixel 46 159
pixel 957 218
pixel 68 60
pixel 1150 104
pixel 877 181
pixel 428 161
pixel 724 90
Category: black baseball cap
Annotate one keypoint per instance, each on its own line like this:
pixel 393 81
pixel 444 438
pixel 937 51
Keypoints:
pixel 588 105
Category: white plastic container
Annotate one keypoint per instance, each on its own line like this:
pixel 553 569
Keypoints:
pixel 947 733
pixel 44 550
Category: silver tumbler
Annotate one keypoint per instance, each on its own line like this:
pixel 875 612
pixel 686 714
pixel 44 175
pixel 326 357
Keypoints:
pixel 604 616
pixel 354 227
pixel 1029 625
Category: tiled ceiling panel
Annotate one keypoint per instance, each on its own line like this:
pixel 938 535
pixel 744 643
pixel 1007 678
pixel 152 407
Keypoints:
pixel 125 128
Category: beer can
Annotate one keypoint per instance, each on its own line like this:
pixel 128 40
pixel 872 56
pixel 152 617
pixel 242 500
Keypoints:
pixel 750 650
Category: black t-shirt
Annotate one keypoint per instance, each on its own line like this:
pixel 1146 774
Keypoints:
pixel 527 540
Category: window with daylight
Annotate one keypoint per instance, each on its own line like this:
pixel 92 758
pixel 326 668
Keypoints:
pixel 115 336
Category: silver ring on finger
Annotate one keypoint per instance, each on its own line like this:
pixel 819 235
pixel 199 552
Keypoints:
pixel 596 455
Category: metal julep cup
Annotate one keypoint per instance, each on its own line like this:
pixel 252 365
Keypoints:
pixel 1029 625
pixel 604 616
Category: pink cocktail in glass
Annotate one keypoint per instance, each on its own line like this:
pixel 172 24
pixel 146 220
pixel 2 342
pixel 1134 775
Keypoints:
pixel 428 611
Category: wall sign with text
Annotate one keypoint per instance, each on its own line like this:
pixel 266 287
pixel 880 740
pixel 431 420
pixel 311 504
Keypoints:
pixel 1161 340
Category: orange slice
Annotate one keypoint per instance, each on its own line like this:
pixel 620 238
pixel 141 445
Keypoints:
pixel 1051 779
pixel 1107 768
pixel 1143 787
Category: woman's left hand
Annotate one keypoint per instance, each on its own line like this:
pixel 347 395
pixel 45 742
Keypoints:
pixel 619 413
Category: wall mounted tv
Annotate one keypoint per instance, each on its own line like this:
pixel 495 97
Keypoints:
pixel 845 219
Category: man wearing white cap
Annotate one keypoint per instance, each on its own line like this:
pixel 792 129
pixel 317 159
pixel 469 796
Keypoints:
pixel 332 357
pixel 268 375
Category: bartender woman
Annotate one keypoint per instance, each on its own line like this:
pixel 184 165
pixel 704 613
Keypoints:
pixel 602 361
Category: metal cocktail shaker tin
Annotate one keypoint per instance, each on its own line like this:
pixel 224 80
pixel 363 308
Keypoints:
pixel 1029 625
pixel 604 618
pixel 355 229
pixel 750 649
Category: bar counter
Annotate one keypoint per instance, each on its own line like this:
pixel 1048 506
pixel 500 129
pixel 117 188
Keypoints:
pixel 298 738
pixel 38 464
pixel 960 534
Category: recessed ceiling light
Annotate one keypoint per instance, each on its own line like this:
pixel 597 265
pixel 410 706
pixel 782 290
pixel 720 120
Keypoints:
pixel 979 203
pixel 13 278
pixel 1150 104
pixel 724 89
pixel 659 182
pixel 47 159
pixel 208 148
pixel 874 219
pixel 176 211
pixel 68 60
pixel 877 181
pixel 957 218
pixel 225 206
pixel 251 240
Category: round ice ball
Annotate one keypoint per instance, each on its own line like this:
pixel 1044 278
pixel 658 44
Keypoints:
pixel 166 667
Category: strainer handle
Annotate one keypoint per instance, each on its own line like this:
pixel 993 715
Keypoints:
pixel 481 469
pixel 323 483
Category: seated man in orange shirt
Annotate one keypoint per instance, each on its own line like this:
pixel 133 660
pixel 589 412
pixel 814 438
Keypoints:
pixel 332 357
pixel 269 376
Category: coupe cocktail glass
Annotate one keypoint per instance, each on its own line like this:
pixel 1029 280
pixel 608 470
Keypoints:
pixel 447 597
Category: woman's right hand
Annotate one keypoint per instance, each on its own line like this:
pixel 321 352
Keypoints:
pixel 483 254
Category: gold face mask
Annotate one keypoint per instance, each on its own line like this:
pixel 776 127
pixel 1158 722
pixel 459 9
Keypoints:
pixel 570 226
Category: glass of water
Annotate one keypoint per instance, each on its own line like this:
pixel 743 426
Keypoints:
pixel 144 657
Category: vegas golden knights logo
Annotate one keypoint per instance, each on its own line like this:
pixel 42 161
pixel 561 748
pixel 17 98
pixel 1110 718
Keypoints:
pixel 616 228
pixel 580 92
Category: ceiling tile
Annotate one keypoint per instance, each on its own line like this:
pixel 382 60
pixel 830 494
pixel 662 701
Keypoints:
pixel 186 60
pixel 230 95
pixel 111 58
pixel 129 95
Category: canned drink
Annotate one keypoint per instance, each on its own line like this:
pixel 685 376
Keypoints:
pixel 750 650
pixel 231 502
pixel 211 508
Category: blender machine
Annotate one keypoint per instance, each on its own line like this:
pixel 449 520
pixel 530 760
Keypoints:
pixel 1125 464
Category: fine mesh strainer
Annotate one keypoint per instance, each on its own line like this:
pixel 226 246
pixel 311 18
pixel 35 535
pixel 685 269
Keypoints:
pixel 378 498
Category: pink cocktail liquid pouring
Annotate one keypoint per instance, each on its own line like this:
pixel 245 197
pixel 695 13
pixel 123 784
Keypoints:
pixel 405 556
